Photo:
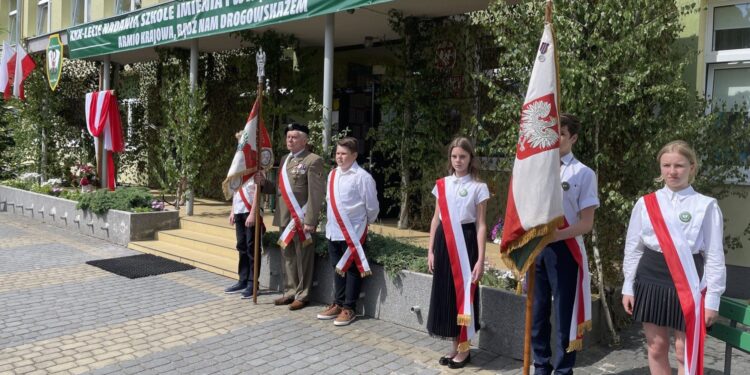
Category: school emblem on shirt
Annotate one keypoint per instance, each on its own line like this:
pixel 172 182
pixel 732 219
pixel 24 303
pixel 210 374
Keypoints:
pixel 463 192
pixel 685 216
pixel 565 186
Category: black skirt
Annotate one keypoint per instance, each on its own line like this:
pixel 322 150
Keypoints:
pixel 441 320
pixel 656 299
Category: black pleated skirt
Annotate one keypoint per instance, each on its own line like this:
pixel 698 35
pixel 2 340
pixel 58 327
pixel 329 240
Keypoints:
pixel 656 299
pixel 441 320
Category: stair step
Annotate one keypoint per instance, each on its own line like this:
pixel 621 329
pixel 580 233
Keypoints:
pixel 223 265
pixel 223 231
pixel 199 241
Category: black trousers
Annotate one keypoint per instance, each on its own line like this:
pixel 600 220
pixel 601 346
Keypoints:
pixel 347 287
pixel 246 248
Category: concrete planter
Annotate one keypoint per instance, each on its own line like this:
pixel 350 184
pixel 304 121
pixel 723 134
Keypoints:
pixel 404 299
pixel 115 226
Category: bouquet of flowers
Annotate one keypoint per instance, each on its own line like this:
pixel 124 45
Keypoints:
pixel 84 174
pixel 157 205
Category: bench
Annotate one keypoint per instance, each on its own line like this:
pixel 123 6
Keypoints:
pixel 737 311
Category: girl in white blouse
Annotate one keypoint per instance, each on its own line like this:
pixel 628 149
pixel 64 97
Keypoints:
pixel 693 226
pixel 458 258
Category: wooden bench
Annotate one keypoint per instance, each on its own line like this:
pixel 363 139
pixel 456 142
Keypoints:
pixel 737 311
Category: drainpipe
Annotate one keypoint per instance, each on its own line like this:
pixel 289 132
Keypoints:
pixel 328 84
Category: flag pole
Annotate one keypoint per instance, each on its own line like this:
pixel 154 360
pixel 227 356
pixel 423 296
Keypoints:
pixel 260 59
pixel 530 275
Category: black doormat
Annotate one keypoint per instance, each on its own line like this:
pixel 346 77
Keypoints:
pixel 141 265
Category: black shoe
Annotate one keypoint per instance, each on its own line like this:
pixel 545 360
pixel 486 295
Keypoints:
pixel 453 364
pixel 445 360
pixel 248 293
pixel 236 288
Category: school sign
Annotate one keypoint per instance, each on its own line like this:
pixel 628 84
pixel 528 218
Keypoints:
pixel 190 19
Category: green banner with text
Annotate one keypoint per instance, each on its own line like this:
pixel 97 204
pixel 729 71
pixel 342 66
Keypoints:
pixel 189 19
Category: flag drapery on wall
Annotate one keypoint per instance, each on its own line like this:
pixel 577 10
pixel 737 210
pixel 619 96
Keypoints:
pixel 534 208
pixel 245 163
pixel 6 76
pixel 103 119
pixel 24 65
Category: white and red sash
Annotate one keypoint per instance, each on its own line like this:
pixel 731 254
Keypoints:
pixel 103 119
pixel 246 200
pixel 581 317
pixel 295 226
pixel 690 289
pixel 460 267
pixel 355 253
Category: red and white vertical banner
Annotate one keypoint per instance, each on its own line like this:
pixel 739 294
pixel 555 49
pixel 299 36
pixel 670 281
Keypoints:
pixel 103 120
pixel 24 65
pixel 6 79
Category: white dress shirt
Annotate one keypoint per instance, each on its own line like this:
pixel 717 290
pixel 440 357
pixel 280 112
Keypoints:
pixel 469 193
pixel 358 199
pixel 581 193
pixel 704 232
pixel 238 206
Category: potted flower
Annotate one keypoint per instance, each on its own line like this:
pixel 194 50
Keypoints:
pixel 84 175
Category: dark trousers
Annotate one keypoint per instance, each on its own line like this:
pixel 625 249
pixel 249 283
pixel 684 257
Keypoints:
pixel 347 287
pixel 556 274
pixel 246 248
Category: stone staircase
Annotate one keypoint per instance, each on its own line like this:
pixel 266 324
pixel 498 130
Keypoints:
pixel 205 244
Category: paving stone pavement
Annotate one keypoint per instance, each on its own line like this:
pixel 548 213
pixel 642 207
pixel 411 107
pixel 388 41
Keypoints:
pixel 61 316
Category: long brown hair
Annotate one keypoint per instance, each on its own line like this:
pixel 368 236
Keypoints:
pixel 465 144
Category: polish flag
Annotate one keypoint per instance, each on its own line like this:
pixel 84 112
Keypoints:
pixel 24 66
pixel 10 69
pixel 4 81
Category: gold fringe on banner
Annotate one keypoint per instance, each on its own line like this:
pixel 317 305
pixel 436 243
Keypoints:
pixel 464 347
pixel 463 320
pixel 583 327
pixel 547 231
pixel 281 244
pixel 340 272
pixel 365 274
pixel 575 345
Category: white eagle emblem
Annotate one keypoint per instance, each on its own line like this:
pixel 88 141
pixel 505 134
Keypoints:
pixel 539 133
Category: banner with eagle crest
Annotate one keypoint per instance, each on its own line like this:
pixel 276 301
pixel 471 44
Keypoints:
pixel 534 208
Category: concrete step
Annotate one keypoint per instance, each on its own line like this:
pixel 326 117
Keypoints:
pixel 213 228
pixel 200 241
pixel 222 265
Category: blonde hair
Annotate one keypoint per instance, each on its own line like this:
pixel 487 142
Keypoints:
pixel 464 144
pixel 684 149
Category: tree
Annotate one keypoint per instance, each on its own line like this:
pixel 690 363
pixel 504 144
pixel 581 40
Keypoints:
pixel 621 73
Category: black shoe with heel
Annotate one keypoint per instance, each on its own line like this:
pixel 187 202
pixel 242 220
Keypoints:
pixel 445 360
pixel 454 365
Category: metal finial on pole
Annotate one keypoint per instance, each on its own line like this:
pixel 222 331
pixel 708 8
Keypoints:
pixel 260 60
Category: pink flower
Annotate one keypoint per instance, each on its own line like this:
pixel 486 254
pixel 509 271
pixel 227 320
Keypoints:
pixel 84 181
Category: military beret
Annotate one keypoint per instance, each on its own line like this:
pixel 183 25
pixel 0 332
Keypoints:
pixel 298 127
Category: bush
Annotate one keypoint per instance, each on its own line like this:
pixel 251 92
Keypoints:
pixel 125 199
pixel 41 189
pixel 73 195
pixel 18 184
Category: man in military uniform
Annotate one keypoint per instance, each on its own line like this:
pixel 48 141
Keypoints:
pixel 301 195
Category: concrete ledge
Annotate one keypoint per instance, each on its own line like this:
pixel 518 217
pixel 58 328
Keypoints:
pixel 115 226
pixel 404 299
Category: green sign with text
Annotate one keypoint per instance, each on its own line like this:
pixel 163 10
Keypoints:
pixel 189 19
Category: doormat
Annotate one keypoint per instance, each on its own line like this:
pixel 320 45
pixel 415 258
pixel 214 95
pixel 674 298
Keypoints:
pixel 142 265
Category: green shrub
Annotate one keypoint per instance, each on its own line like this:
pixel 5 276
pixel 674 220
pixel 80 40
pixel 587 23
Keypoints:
pixel 390 253
pixel 73 195
pixel 18 184
pixel 41 189
pixel 124 199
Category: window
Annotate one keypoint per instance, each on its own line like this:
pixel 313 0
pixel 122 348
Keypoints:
pixel 79 12
pixel 728 31
pixel 124 6
pixel 42 17
pixel 729 85
pixel 13 22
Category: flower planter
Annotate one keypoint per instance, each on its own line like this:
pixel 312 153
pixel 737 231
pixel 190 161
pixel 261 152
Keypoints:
pixel 115 226
pixel 404 299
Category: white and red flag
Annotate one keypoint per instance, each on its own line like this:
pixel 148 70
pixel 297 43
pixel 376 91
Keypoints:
pixel 6 81
pixel 534 209
pixel 103 119
pixel 245 162
pixel 24 65
pixel 9 66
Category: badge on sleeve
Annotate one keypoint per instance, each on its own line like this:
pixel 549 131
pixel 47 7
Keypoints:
pixel 685 216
